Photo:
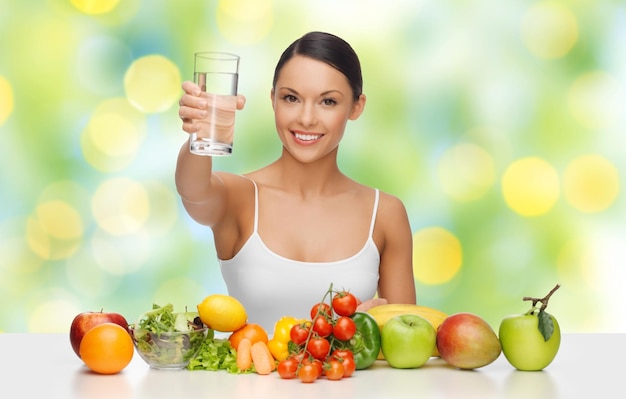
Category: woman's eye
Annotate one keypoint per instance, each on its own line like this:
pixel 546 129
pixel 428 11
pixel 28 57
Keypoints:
pixel 329 101
pixel 290 98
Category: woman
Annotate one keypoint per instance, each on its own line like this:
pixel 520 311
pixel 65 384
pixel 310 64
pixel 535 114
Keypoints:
pixel 285 232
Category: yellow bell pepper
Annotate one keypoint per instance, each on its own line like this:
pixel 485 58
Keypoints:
pixel 278 349
pixel 279 344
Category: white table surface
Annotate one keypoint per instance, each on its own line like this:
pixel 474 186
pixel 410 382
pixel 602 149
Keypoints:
pixel 44 366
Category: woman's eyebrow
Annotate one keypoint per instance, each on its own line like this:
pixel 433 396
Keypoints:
pixel 325 93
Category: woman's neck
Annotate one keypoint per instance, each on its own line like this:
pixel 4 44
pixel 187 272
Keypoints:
pixel 318 178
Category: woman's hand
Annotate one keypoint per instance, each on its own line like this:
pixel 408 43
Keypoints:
pixel 193 105
pixel 370 303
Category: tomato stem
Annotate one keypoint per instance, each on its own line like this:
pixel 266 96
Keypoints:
pixel 329 292
pixel 544 300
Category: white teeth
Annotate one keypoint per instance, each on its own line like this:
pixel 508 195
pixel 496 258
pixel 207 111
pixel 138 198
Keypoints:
pixel 307 137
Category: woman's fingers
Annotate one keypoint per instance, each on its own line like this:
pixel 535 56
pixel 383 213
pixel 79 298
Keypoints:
pixel 196 111
pixel 370 303
pixel 189 126
pixel 192 105
pixel 241 101
pixel 191 88
pixel 191 101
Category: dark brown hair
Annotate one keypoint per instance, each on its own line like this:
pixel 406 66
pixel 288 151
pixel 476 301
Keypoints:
pixel 330 49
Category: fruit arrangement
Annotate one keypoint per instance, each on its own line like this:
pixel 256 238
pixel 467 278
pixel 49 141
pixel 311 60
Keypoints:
pixel 101 340
pixel 336 341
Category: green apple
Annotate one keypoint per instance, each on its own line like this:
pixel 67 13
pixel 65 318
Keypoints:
pixel 524 346
pixel 407 341
pixel 531 341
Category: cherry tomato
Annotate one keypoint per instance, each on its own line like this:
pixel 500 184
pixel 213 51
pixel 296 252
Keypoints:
pixel 334 370
pixel 299 333
pixel 321 308
pixel 349 366
pixel 344 328
pixel 287 368
pixel 344 303
pixel 316 362
pixel 318 347
pixel 322 326
pixel 299 357
pixel 308 373
pixel 342 353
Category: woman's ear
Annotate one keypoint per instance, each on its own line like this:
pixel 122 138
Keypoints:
pixel 357 107
pixel 272 98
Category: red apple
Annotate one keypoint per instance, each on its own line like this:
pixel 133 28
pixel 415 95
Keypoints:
pixel 466 341
pixel 84 321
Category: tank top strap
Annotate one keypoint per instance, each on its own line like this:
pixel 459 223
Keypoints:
pixel 256 206
pixel 256 209
pixel 374 212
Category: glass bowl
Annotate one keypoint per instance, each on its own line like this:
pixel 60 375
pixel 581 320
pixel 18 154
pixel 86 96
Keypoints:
pixel 168 350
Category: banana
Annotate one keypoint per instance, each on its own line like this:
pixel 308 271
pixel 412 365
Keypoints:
pixel 384 313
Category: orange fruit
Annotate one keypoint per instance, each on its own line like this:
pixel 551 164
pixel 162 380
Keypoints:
pixel 222 313
pixel 252 331
pixel 106 348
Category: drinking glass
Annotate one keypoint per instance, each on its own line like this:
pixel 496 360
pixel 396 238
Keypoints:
pixel 217 75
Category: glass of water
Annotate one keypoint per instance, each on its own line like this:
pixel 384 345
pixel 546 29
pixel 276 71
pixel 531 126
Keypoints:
pixel 217 75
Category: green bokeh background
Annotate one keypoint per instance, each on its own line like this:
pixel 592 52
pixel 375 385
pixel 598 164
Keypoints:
pixel 89 225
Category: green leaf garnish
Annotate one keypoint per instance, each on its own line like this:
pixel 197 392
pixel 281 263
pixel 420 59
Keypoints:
pixel 545 324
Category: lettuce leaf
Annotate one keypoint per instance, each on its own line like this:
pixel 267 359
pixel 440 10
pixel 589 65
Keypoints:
pixel 216 354
pixel 159 319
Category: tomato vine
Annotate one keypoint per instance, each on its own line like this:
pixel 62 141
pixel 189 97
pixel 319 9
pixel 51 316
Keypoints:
pixel 316 341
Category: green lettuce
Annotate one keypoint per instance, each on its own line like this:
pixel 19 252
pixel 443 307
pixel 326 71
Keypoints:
pixel 216 354
pixel 167 338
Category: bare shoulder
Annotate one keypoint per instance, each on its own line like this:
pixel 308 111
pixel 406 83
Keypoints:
pixel 391 207
pixel 239 189
pixel 392 221
pixel 231 181
pixel 266 176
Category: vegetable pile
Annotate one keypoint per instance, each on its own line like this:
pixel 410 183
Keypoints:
pixel 334 343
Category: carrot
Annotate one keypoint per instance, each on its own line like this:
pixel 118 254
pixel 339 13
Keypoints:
pixel 244 357
pixel 262 358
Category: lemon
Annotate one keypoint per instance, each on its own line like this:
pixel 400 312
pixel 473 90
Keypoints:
pixel 222 313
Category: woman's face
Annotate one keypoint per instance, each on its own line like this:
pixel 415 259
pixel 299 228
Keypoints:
pixel 312 103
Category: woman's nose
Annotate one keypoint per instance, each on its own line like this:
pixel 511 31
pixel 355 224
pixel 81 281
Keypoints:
pixel 307 115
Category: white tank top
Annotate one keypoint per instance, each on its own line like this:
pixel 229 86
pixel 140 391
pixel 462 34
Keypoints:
pixel 271 286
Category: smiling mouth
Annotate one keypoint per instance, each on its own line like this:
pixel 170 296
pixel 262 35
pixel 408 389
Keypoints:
pixel 307 137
